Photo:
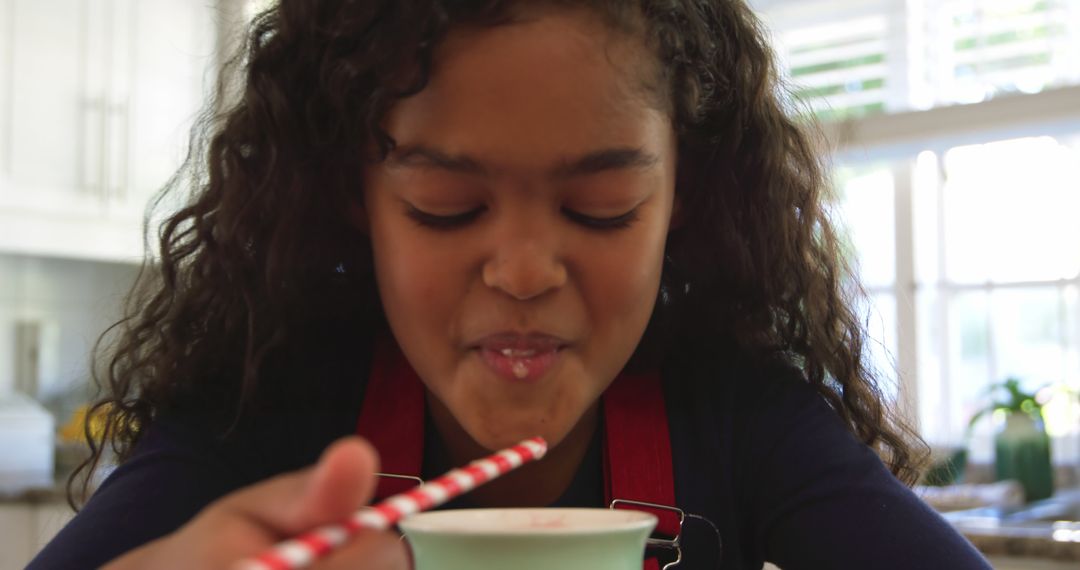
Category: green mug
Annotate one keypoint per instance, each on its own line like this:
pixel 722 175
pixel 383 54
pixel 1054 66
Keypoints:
pixel 528 539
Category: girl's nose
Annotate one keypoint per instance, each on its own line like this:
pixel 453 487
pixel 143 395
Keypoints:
pixel 525 266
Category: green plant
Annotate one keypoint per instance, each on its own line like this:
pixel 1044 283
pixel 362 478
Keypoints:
pixel 1021 449
pixel 1016 401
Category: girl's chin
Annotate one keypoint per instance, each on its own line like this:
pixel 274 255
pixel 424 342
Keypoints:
pixel 498 431
pixel 495 440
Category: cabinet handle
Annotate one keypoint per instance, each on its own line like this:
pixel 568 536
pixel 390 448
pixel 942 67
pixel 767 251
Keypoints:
pixel 119 149
pixel 103 156
pixel 93 126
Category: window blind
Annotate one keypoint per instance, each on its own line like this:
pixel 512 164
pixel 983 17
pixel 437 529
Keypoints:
pixel 845 59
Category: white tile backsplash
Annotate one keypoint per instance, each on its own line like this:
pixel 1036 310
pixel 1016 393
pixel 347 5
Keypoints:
pixel 76 300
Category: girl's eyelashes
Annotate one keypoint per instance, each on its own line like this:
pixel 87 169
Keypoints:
pixel 453 221
pixel 441 222
pixel 613 223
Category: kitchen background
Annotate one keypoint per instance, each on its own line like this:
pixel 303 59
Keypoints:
pixel 955 131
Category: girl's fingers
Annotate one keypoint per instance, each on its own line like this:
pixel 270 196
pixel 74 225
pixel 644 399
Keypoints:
pixel 340 483
pixel 248 521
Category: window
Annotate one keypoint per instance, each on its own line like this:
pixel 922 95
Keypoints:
pixel 997 272
pixel 866 200
pixel 848 59
pixel 983 47
pixel 957 124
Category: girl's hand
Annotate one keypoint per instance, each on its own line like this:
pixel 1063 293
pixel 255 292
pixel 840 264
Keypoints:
pixel 248 521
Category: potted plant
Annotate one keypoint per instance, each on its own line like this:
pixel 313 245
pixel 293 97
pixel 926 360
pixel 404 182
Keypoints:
pixel 1021 445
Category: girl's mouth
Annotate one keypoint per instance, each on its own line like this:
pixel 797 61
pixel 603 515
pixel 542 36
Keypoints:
pixel 520 358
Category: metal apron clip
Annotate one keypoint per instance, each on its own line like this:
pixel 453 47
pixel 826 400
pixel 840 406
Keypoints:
pixel 673 544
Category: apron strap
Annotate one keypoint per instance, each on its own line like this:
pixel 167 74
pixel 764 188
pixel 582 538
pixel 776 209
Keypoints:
pixel 392 419
pixel 637 449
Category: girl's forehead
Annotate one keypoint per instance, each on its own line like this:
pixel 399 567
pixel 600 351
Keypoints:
pixel 570 40
pixel 561 83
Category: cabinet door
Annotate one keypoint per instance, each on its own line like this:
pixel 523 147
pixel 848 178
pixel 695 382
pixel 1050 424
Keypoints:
pixel 49 518
pixel 119 25
pixel 7 8
pixel 49 105
pixel 17 538
pixel 173 51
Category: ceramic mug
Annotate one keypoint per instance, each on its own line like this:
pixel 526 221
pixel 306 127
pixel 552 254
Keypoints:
pixel 528 539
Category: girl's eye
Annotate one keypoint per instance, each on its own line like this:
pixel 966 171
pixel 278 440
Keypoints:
pixel 444 222
pixel 441 222
pixel 613 223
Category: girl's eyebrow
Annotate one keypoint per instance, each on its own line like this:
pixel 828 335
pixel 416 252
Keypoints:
pixel 606 160
pixel 426 157
pixel 620 158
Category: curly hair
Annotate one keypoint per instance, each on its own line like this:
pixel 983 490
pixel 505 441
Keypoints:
pixel 264 249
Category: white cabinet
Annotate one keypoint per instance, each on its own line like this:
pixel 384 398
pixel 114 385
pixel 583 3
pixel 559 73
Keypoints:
pixel 25 528
pixel 6 37
pixel 166 97
pixel 47 106
pixel 98 99
pixel 16 535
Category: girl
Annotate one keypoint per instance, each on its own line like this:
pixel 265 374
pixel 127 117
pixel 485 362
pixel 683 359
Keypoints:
pixel 451 225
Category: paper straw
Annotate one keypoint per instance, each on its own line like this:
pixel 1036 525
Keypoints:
pixel 302 550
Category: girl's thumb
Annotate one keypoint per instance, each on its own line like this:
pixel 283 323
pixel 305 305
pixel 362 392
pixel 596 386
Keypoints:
pixel 340 483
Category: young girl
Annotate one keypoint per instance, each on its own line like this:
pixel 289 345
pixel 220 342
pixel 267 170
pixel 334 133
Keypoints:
pixel 451 225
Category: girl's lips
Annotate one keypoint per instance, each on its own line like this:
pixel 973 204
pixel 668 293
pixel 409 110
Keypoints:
pixel 520 357
pixel 519 366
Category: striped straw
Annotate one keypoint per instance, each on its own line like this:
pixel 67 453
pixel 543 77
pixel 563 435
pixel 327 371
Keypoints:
pixel 301 551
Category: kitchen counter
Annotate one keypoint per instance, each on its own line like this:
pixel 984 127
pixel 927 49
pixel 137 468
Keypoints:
pixel 46 489
pixel 37 495
pixel 1048 529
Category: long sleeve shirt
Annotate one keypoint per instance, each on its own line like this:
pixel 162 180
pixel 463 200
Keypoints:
pixel 757 453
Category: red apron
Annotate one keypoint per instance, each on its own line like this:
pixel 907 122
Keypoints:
pixel 637 447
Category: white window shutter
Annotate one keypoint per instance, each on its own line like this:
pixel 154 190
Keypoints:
pixel 851 58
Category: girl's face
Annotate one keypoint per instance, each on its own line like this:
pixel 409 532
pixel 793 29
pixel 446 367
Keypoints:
pixel 518 227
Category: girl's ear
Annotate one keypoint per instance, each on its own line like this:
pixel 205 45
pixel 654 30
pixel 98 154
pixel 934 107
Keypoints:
pixel 357 214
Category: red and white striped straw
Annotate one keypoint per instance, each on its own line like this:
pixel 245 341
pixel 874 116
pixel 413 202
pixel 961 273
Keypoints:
pixel 301 551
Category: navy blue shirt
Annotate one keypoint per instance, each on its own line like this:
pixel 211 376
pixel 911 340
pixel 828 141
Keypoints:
pixel 757 452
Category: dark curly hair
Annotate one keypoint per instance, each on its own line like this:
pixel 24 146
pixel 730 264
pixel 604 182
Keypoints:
pixel 263 248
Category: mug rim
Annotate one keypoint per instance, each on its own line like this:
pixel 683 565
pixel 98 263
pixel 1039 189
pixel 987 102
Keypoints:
pixel 486 522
